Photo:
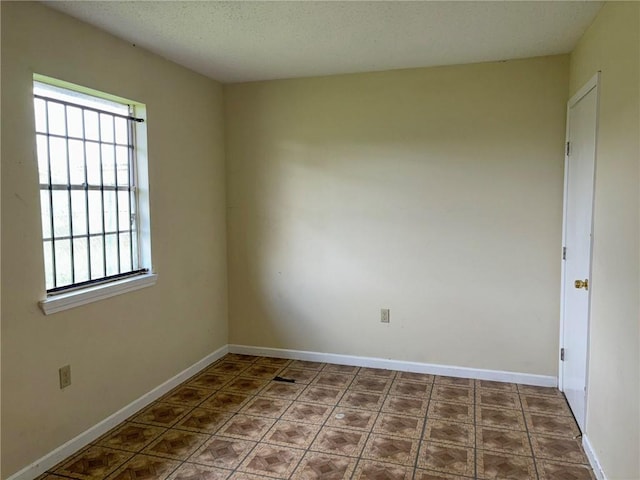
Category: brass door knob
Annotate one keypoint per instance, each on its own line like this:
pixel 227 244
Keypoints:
pixel 582 284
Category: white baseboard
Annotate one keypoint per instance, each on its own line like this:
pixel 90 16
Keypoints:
pixel 52 458
pixel 417 367
pixel 593 459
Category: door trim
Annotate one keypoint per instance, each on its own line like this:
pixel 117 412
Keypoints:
pixel 594 82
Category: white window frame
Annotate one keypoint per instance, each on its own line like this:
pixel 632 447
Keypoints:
pixel 65 300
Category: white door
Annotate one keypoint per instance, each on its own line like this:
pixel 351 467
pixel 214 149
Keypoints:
pixel 578 219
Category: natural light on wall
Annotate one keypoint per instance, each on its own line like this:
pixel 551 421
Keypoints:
pixel 90 189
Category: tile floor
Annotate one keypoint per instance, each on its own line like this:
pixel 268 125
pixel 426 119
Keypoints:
pixel 232 421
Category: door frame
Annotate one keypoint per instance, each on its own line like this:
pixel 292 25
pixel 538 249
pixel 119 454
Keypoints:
pixel 594 82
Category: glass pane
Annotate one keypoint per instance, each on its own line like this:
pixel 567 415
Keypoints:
pixel 63 262
pixel 43 158
pixel 112 254
pixel 80 259
pixel 122 162
pixel 41 115
pixel 122 129
pixel 136 262
pixel 125 252
pixel 106 128
pixel 79 212
pixel 58 159
pixel 91 125
pixel 48 265
pixel 124 216
pixel 76 162
pixel 74 121
pixel 60 213
pixel 110 220
pixel 45 209
pixel 97 257
pixel 108 165
pixel 93 163
pixel 56 119
pixel 95 211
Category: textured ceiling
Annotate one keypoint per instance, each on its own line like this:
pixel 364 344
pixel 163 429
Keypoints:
pixel 245 41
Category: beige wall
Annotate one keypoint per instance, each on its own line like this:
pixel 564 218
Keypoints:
pixel 122 347
pixel 612 45
pixel 434 192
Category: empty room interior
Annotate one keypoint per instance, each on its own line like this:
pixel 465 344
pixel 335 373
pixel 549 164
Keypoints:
pixel 320 240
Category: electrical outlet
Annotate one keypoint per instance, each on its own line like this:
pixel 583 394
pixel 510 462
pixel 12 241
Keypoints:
pixel 65 376
pixel 384 315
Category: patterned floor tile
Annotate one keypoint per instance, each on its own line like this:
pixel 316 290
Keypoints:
pixel 289 391
pixel 192 471
pixel 505 441
pixel 204 420
pixel 502 386
pixel 239 357
pixel 292 434
pixel 232 421
pixel 497 399
pixel 550 470
pixel 415 377
pixel 306 364
pixel 501 465
pixel 334 367
pixel 186 395
pixel 455 412
pixel 262 371
pixel 351 418
pixel 145 467
pixel 399 425
pixel 377 372
pixel 545 404
pixel 176 444
pixel 500 418
pixel 93 463
pixel 415 406
pixel 281 362
pixel 161 414
pixel 324 395
pixel 232 368
pixel 538 423
pixel 228 402
pixel 131 437
pixel 447 458
pixel 562 449
pixel 245 385
pixel 410 389
pixel 362 400
pixel 458 382
pixel 339 441
pixel 370 470
pixel 246 427
pixel 272 460
pixel 333 380
pixel 307 412
pixel 431 475
pixel 369 383
pixel 391 449
pixel 451 393
pixel 300 375
pixel 442 431
pixel 535 390
pixel 222 452
pixel 265 407
pixel 210 380
pixel 323 466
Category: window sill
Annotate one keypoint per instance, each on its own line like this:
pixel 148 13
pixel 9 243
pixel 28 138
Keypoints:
pixel 65 301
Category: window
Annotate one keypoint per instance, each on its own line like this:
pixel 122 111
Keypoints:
pixel 89 189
